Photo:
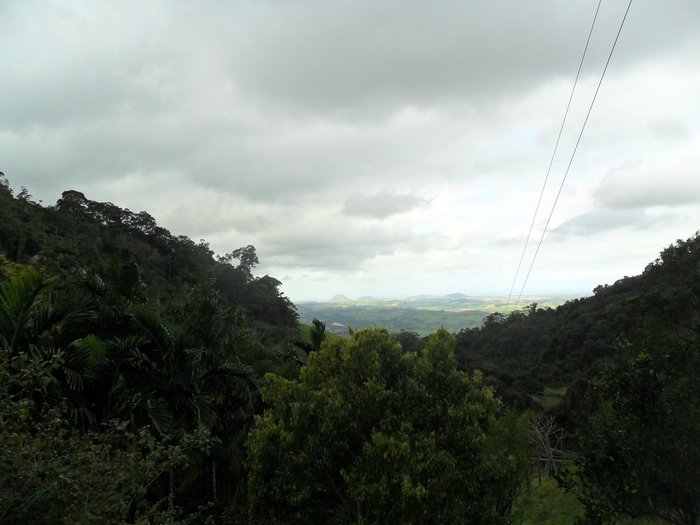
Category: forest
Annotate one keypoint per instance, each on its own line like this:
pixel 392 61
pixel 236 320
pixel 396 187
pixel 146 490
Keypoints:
pixel 144 379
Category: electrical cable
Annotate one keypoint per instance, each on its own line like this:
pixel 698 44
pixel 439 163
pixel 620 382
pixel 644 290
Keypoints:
pixel 551 161
pixel 573 154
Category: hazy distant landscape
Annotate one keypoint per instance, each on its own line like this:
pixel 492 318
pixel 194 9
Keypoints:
pixel 422 314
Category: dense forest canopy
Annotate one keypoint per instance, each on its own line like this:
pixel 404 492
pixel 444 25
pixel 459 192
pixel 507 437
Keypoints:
pixel 143 379
pixel 118 335
pixel 100 237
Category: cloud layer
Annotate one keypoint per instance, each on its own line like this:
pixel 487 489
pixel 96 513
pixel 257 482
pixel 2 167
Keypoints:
pixel 367 148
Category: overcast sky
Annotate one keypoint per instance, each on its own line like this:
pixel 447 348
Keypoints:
pixel 367 148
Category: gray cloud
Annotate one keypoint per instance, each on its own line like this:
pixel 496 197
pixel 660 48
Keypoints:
pixel 605 220
pixel 669 128
pixel 98 59
pixel 343 55
pixel 288 124
pixel 601 220
pixel 334 247
pixel 381 205
pixel 673 184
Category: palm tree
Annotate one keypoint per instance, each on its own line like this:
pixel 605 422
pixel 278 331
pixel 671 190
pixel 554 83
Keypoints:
pixel 37 319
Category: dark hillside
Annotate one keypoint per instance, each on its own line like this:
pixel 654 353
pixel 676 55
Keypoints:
pixel 532 348
pixel 80 235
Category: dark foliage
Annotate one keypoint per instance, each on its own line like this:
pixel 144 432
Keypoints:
pixel 142 357
pixel 639 449
pixel 370 434
pixel 141 259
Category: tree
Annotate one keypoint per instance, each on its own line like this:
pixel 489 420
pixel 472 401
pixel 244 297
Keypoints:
pixel 640 449
pixel 247 258
pixel 409 341
pixel 369 434
pixel 72 201
pixel 36 319
pixel 317 334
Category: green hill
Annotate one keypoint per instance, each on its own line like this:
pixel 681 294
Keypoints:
pixel 532 348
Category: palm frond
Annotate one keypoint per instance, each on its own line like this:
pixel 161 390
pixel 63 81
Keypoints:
pixel 151 322
pixel 83 359
pixel 19 299
pixel 146 406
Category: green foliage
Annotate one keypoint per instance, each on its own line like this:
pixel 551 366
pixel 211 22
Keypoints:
pixel 639 452
pixel 409 341
pixel 546 503
pixel 509 442
pixel 551 397
pixel 370 434
pixel 23 310
pixel 9 269
pixel 314 336
pixel 305 330
pixel 52 474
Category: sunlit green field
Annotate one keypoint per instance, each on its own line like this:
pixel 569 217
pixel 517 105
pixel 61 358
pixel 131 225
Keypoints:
pixel 551 397
pixel 547 504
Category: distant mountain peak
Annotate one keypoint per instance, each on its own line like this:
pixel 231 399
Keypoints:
pixel 339 298
pixel 457 296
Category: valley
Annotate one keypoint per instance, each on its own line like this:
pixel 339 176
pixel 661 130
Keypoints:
pixel 422 314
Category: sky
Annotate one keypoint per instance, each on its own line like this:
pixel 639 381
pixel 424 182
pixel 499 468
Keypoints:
pixel 388 148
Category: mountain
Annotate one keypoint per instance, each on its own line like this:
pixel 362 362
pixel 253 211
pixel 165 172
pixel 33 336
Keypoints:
pixel 340 298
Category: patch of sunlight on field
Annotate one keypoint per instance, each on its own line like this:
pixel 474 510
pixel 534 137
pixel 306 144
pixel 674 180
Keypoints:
pixel 551 397
pixel 548 504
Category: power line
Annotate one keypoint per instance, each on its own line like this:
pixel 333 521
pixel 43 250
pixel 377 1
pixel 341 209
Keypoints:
pixel 573 154
pixel 551 161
